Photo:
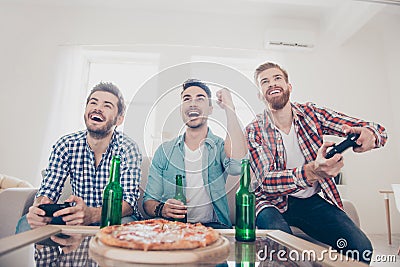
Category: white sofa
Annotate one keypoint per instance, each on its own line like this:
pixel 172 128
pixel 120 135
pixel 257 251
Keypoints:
pixel 16 196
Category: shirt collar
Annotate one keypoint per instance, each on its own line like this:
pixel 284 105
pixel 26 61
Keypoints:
pixel 264 120
pixel 210 140
pixel 113 145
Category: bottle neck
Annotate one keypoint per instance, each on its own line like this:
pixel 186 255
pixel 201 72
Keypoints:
pixel 179 185
pixel 114 171
pixel 245 176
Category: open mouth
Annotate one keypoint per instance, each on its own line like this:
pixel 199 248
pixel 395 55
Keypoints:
pixel 96 117
pixel 193 114
pixel 274 91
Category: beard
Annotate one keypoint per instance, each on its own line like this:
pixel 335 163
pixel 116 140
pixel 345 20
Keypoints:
pixel 100 133
pixel 278 103
pixel 194 125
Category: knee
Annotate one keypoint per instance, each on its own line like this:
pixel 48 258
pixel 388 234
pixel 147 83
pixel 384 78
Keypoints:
pixel 272 219
pixel 358 247
pixel 365 249
pixel 22 225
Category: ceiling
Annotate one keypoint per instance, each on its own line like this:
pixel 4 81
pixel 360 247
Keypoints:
pixel 341 17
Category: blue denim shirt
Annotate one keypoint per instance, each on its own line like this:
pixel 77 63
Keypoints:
pixel 169 161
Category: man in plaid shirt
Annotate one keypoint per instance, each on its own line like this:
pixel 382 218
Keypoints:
pixel 288 158
pixel 85 157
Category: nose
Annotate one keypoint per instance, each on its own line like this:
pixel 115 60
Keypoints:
pixel 193 103
pixel 271 84
pixel 98 109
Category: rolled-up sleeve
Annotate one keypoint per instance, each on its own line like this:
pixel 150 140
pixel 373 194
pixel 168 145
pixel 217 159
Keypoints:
pixel 131 174
pixel 56 172
pixel 232 166
pixel 154 188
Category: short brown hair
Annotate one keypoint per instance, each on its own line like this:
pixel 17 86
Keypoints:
pixel 269 65
pixel 113 89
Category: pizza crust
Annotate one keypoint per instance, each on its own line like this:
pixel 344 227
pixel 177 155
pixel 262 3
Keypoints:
pixel 158 234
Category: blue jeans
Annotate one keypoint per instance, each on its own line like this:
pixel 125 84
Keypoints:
pixel 322 221
pixel 23 225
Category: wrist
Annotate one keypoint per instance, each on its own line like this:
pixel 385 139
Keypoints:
pixel 376 141
pixel 94 215
pixel 310 173
pixel 158 210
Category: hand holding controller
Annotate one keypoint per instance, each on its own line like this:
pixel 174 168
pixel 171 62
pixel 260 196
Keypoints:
pixel 350 141
pixel 51 208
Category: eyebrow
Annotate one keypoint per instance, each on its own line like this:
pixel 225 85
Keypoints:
pixel 96 99
pixel 108 102
pixel 273 76
pixel 187 95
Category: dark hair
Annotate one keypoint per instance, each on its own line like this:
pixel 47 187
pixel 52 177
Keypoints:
pixel 113 89
pixel 194 82
pixel 269 65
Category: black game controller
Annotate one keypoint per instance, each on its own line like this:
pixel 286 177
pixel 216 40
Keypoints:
pixel 51 208
pixel 350 141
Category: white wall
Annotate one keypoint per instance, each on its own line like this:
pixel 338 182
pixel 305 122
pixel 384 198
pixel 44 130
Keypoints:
pixel 358 78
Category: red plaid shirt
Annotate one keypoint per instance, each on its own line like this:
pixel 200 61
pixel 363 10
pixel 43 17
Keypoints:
pixel 268 159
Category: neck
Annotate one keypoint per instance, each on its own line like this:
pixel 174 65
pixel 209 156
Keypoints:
pixel 283 118
pixel 99 145
pixel 194 137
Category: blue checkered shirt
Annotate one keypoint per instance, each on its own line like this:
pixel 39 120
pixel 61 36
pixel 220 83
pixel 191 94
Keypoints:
pixel 72 156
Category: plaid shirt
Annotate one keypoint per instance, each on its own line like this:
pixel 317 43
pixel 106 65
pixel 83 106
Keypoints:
pixel 55 256
pixel 72 156
pixel 268 159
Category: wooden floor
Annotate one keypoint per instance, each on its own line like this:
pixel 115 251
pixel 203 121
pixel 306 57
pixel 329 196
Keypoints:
pixel 382 249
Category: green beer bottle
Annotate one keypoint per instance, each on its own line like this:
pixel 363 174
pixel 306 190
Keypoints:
pixel 245 254
pixel 111 211
pixel 180 195
pixel 245 225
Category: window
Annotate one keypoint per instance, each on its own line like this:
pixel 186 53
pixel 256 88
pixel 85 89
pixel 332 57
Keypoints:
pixel 128 71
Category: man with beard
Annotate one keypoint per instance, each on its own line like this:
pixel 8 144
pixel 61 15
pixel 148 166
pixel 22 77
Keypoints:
pixel 288 158
pixel 85 157
pixel 203 159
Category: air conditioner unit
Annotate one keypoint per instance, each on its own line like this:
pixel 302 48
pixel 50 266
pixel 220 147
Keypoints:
pixel 289 39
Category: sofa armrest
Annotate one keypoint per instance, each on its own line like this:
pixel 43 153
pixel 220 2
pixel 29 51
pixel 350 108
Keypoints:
pixel 15 202
pixel 351 211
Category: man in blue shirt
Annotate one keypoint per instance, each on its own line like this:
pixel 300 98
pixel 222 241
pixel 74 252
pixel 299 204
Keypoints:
pixel 85 157
pixel 204 159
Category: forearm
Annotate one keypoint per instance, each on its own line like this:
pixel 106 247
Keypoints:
pixel 126 209
pixel 333 121
pixel 235 143
pixel 95 213
pixel 150 206
pixel 285 182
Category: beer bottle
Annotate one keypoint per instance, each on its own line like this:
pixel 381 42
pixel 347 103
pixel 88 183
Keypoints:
pixel 112 196
pixel 245 254
pixel 245 225
pixel 180 195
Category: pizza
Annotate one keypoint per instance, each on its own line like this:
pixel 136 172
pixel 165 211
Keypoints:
pixel 158 234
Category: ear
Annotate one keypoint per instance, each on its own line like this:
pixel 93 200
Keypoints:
pixel 261 96
pixel 210 109
pixel 120 120
pixel 290 87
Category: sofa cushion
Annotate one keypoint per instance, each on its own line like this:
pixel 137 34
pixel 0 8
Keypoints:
pixel 12 182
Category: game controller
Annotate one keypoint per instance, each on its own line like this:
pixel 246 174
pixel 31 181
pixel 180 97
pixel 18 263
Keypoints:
pixel 350 141
pixel 51 208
